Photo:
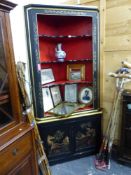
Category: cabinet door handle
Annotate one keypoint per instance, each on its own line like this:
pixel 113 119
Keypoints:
pixel 15 151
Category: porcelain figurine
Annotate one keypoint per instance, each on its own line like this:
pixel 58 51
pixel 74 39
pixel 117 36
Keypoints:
pixel 59 53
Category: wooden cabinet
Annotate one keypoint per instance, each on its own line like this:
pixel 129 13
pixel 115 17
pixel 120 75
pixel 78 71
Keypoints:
pixel 125 141
pixel 63 47
pixel 17 151
pixel 17 147
pixel 10 112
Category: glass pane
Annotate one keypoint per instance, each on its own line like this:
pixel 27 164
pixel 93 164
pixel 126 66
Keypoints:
pixel 5 106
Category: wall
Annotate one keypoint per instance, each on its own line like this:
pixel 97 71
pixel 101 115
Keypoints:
pixel 115 42
pixel 117 48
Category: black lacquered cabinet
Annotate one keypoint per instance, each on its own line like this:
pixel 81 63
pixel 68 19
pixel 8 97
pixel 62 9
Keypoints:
pixel 125 141
pixel 74 78
pixel 69 139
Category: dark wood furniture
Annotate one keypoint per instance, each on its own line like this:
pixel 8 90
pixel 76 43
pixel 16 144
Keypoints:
pixel 17 147
pixel 76 29
pixel 125 141
pixel 17 154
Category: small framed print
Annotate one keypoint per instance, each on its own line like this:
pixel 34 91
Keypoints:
pixel 56 95
pixel 47 100
pixel 86 95
pixel 47 76
pixel 76 72
pixel 71 93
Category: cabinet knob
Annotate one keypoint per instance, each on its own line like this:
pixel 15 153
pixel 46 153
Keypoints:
pixel 15 151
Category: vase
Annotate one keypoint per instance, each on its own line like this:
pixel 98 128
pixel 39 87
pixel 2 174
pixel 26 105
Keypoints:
pixel 59 53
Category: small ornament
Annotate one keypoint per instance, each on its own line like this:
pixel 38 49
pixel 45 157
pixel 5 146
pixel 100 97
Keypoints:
pixel 59 53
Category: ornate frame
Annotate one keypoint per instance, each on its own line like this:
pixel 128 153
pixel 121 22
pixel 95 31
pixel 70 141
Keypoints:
pixel 75 72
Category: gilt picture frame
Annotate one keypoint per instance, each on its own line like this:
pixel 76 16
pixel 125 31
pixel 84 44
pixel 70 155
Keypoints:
pixel 64 109
pixel 76 72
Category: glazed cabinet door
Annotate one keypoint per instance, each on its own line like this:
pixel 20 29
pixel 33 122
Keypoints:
pixel 9 97
pixel 5 103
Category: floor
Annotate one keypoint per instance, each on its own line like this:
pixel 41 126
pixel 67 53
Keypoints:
pixel 85 166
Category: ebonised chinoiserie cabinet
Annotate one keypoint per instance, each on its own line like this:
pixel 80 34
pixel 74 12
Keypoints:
pixel 17 144
pixel 125 141
pixel 63 47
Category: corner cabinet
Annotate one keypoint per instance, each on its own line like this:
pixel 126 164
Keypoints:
pixel 17 144
pixel 63 47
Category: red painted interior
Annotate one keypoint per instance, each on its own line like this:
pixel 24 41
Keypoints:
pixel 60 70
pixel 76 48
pixel 64 25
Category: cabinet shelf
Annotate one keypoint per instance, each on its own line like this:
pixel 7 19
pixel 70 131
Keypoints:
pixel 4 98
pixel 64 36
pixel 66 82
pixel 4 101
pixel 70 61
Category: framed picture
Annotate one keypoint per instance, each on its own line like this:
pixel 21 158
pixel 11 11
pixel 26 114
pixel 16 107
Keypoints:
pixel 86 95
pixel 47 100
pixel 56 95
pixel 76 72
pixel 71 92
pixel 65 109
pixel 47 76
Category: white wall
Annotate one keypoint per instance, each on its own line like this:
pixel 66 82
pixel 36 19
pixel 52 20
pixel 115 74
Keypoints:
pixel 19 31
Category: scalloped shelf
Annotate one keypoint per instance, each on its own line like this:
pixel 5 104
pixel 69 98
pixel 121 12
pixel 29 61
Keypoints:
pixel 65 82
pixel 4 98
pixel 64 36
pixel 81 60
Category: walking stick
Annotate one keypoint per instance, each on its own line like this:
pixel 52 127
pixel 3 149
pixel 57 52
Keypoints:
pixel 100 161
pixel 103 158
pixel 42 159
pixel 113 125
